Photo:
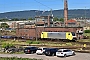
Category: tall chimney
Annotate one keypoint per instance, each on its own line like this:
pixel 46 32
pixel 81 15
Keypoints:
pixel 48 20
pixel 65 11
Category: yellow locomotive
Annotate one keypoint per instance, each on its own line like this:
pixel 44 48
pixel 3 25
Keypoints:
pixel 59 35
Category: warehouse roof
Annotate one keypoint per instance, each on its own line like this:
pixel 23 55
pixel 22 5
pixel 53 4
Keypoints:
pixel 71 21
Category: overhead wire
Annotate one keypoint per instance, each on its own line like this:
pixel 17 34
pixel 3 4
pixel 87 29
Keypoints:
pixel 42 4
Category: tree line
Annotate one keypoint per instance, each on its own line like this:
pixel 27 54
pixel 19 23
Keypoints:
pixel 15 19
pixel 22 19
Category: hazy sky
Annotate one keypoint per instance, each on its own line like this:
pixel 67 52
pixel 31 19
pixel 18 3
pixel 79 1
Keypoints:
pixel 20 5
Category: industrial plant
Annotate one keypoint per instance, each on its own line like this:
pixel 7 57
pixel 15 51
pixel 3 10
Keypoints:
pixel 33 29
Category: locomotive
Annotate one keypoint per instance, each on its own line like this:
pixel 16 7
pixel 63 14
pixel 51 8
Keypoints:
pixel 59 35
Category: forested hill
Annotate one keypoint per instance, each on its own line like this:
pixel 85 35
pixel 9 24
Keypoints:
pixel 57 13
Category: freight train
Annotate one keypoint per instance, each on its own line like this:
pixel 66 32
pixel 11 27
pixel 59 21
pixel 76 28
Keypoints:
pixel 59 35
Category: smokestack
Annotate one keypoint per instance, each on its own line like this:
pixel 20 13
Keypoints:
pixel 65 11
pixel 48 20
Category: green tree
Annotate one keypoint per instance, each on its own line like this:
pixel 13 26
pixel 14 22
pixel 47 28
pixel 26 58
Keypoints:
pixel 56 19
pixel 22 19
pixel 61 19
pixel 15 19
pixel 87 31
pixel 4 25
pixel 30 18
pixel 3 20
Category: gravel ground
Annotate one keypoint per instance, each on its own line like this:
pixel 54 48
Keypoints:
pixel 78 56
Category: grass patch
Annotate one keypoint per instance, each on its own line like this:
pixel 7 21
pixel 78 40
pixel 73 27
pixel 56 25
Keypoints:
pixel 13 42
pixel 33 42
pixel 15 58
pixel 28 42
pixel 86 34
pixel 69 44
pixel 19 52
pixel 84 40
pixel 7 45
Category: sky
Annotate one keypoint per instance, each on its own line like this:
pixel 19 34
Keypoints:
pixel 44 5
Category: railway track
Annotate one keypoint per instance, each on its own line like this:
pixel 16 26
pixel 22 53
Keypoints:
pixel 60 41
pixel 54 41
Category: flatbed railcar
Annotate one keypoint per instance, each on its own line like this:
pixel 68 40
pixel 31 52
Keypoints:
pixel 59 35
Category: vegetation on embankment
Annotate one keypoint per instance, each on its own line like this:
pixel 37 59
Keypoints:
pixel 79 45
pixel 15 58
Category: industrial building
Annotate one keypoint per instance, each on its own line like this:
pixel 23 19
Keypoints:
pixel 32 30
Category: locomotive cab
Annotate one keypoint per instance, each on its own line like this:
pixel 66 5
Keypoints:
pixel 74 36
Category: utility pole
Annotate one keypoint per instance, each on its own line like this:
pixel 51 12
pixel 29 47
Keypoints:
pixel 36 24
pixel 85 18
pixel 36 28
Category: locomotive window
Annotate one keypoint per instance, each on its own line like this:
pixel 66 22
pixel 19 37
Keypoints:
pixel 69 34
pixel 73 33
